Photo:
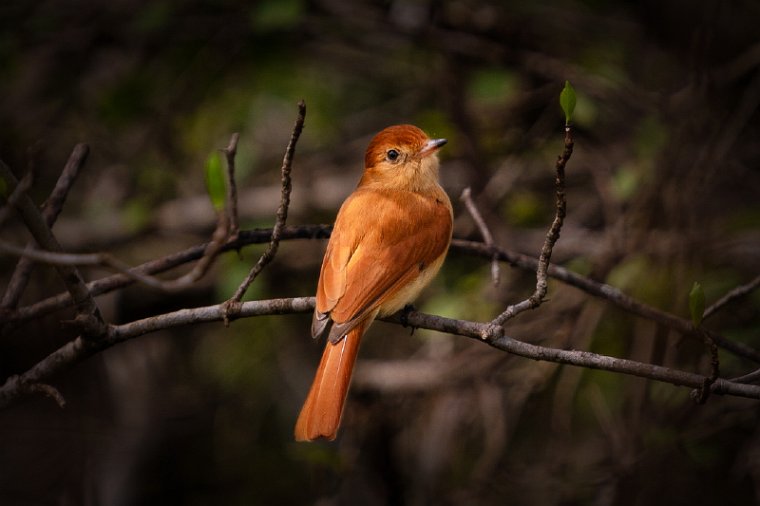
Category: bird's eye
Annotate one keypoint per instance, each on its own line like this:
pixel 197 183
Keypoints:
pixel 392 155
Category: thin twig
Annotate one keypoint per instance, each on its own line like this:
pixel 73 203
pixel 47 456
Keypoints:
pixel 736 293
pixel 13 199
pixel 163 264
pixel 747 378
pixel 282 211
pixel 701 394
pixel 50 211
pixel 91 318
pixel 524 262
pixel 552 236
pixel 53 207
pixel 211 250
pixel 466 197
pixel 80 260
pixel 605 292
pixel 232 204
pixel 48 390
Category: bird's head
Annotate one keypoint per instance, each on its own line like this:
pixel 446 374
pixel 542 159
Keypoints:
pixel 402 157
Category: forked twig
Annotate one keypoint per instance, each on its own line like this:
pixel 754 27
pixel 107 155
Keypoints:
pixel 88 312
pixel 282 211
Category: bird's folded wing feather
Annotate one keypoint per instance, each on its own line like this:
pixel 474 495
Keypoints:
pixel 380 242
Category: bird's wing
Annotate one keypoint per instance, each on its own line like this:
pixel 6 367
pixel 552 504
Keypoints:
pixel 381 241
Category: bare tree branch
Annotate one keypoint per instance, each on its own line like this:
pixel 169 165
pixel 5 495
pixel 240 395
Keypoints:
pixel 736 293
pixel 701 394
pixel 118 281
pixel 552 235
pixel 79 349
pixel 232 201
pixel 605 292
pixel 259 236
pixel 493 335
pixel 282 211
pixel 50 211
pixel 15 196
pixel 466 197
pixel 89 313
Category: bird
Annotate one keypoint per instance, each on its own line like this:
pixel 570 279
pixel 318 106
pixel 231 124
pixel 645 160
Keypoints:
pixel 389 240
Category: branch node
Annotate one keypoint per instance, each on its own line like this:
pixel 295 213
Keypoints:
pixel 231 309
pixel 701 394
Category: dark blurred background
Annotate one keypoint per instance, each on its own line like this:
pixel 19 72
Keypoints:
pixel 663 190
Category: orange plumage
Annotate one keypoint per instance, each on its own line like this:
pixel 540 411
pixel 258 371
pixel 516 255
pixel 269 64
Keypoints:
pixel 389 240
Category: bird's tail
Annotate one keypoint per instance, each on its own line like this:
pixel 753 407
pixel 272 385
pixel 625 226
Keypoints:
pixel 323 409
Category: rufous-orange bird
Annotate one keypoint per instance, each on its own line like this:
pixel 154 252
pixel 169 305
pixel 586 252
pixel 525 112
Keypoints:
pixel 389 241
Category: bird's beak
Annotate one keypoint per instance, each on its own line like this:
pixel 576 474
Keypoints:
pixel 431 147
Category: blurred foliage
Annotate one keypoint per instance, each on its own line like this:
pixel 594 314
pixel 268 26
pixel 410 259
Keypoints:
pixel 662 191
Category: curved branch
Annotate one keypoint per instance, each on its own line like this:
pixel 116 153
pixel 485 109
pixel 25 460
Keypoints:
pixel 552 235
pixel 491 334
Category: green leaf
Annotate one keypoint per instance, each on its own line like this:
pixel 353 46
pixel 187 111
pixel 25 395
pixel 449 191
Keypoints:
pixel 696 303
pixel 567 101
pixel 216 184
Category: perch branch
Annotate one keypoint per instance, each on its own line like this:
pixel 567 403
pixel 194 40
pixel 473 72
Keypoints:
pixel 493 335
pixel 524 262
pixel 605 292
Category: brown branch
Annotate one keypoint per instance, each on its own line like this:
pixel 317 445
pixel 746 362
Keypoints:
pixel 89 313
pixel 747 378
pixel 282 211
pixel 79 349
pixel 701 394
pixel 48 390
pixel 50 211
pixel 219 238
pixel 736 293
pixel 527 263
pixel 15 197
pixel 53 208
pixel 493 335
pixel 118 281
pixel 232 201
pixel 552 235
pixel 466 197
pixel 605 292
